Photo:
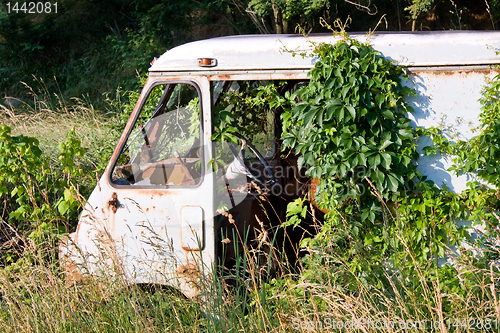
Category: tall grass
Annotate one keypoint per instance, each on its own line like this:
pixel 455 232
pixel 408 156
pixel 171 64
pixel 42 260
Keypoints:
pixel 49 117
pixel 36 297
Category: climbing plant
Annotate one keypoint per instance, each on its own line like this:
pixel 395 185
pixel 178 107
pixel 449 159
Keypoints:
pixel 477 157
pixel 349 124
pixel 350 127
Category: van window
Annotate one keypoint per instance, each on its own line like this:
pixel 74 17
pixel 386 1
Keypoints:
pixel 164 146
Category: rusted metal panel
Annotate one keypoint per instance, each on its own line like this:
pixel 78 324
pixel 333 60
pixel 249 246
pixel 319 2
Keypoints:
pixel 142 232
pixel 192 228
pixel 449 99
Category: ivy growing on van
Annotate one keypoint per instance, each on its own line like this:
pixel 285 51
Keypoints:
pixel 349 125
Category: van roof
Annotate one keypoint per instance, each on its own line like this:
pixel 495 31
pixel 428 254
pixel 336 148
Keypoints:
pixel 273 52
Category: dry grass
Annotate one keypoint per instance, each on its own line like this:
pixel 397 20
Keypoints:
pixel 37 298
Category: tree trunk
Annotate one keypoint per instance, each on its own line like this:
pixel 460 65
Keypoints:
pixel 285 27
pixel 277 24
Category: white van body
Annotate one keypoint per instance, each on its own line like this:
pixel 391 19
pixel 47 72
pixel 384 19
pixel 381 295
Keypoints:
pixel 167 233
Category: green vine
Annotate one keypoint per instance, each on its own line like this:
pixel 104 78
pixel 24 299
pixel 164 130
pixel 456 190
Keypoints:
pixel 349 125
pixel 479 157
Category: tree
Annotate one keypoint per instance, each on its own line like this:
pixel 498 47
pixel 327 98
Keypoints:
pixel 417 7
pixel 281 16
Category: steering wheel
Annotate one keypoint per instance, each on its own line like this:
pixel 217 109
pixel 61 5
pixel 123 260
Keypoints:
pixel 250 173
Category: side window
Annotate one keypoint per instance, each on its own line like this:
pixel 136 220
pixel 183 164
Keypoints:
pixel 164 146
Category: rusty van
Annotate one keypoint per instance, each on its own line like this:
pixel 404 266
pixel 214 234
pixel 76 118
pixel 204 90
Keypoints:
pixel 172 196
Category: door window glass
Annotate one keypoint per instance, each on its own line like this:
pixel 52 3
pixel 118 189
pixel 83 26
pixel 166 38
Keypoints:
pixel 164 146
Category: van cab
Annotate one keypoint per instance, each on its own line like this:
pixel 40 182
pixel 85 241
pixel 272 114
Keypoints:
pixel 180 188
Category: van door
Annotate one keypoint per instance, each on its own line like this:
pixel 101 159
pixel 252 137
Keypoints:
pixel 154 200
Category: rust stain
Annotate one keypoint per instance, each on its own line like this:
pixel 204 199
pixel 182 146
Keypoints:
pixel 462 71
pixel 312 191
pixel 113 202
pixel 250 75
pixel 223 77
pixel 189 270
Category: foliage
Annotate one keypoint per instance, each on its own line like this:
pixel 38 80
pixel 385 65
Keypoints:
pixel 417 7
pixel 94 47
pixel 377 250
pixel 245 111
pixel 481 154
pixel 34 194
pixel 296 211
pixel 350 123
pixel 314 300
pixel 478 157
pixel 349 127
pixel 281 13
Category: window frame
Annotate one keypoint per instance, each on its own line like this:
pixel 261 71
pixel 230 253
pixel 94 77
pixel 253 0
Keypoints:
pixel 125 136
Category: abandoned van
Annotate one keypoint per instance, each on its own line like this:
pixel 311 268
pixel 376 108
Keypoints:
pixel 179 187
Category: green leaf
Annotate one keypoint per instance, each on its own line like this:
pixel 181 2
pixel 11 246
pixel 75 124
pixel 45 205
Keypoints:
pixel 3 190
pixel 299 110
pixel 380 99
pixel 385 144
pixel 406 133
pixel 388 114
pixel 372 118
pixel 308 117
pixel 62 207
pixel 352 111
pixel 368 237
pixel 392 182
pixel 386 159
pixel 362 159
pixel 319 118
pixel 345 90
pixel 338 72
pixel 374 160
pixel 378 176
pixel 339 114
